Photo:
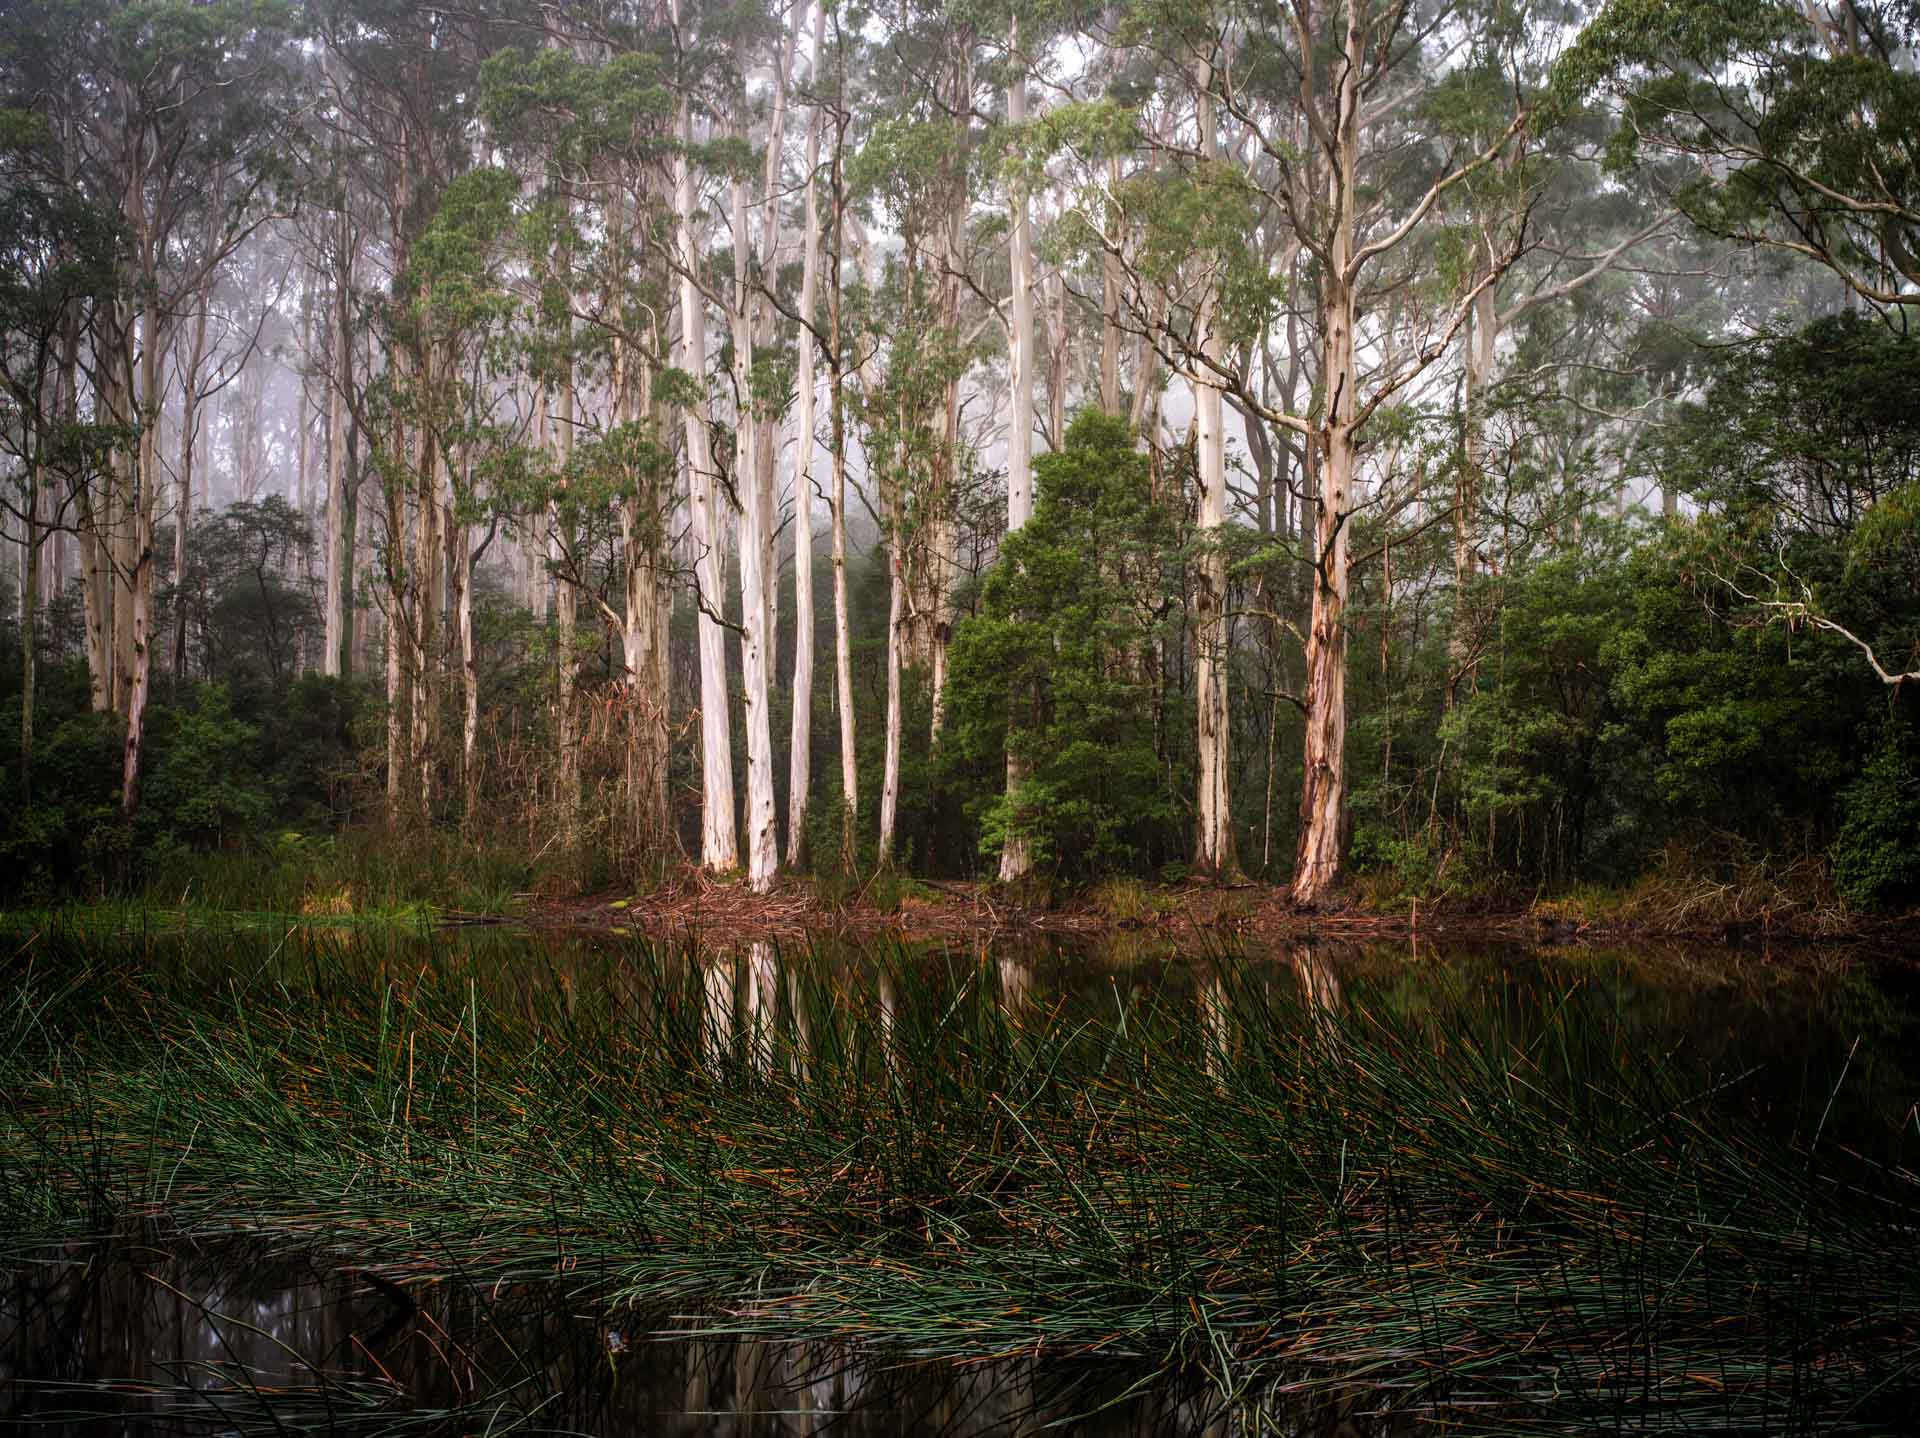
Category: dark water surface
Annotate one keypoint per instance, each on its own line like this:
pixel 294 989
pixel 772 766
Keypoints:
pixel 156 1330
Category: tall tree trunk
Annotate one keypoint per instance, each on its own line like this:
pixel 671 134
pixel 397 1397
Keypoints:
pixel 338 658
pixel 460 552
pixel 140 570
pixel 939 523
pixel 1057 360
pixel 1016 861
pixel 302 449
pixel 183 513
pixel 842 627
pixel 1481 335
pixel 756 527
pixel 800 740
pixel 719 848
pixel 896 622
pixel 1317 863
pixel 566 604
pixel 1213 849
pixel 30 611
pixel 766 334
pixel 1112 281
pixel 644 636
pixel 429 583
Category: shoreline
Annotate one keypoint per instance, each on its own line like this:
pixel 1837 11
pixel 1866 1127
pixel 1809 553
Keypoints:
pixel 983 911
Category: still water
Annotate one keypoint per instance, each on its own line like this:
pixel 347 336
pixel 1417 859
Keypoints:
pixel 278 1325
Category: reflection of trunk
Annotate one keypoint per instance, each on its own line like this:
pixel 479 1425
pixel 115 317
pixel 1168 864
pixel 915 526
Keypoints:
pixel 1016 861
pixel 763 998
pixel 717 979
pixel 719 849
pixel 1216 1029
pixel 1213 849
pixel 1016 983
pixel 889 999
pixel 1319 984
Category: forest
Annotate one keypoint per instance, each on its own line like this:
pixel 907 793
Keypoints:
pixel 1385 448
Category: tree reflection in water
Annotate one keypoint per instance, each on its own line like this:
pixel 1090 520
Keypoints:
pixel 232 1340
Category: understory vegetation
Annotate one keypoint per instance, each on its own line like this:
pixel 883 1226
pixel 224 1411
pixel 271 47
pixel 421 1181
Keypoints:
pixel 1619 706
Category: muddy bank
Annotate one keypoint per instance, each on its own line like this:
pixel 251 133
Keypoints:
pixel 695 902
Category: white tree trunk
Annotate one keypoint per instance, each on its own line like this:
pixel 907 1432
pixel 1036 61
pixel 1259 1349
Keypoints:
pixel 896 612
pixel 756 531
pixel 1213 849
pixel 719 847
pixel 469 669
pixel 800 740
pixel 140 570
pixel 339 540
pixel 842 628
pixel 183 509
pixel 1016 861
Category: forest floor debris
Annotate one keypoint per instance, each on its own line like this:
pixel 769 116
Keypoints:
pixel 692 901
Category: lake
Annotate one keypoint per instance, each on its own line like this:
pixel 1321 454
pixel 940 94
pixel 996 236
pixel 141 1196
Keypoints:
pixel 272 1177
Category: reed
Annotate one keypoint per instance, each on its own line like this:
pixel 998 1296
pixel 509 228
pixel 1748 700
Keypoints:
pixel 1221 1176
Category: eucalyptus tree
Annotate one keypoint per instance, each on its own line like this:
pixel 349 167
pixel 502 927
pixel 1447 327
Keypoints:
pixel 221 340
pixel 56 268
pixel 596 117
pixel 1583 233
pixel 756 406
pixel 404 88
pixel 719 844
pixel 146 104
pixel 914 171
pixel 1016 859
pixel 1326 100
pixel 1792 124
pixel 806 444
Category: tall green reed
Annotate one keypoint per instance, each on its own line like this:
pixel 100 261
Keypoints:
pixel 1237 1172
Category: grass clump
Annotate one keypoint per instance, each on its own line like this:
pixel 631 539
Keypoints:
pixel 1234 1179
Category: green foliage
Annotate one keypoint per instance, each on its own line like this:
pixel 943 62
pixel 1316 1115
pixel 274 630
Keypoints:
pixel 1794 132
pixel 1876 858
pixel 1065 624
pixel 202 785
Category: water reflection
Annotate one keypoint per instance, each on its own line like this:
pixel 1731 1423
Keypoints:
pixel 762 1005
pixel 717 979
pixel 1319 979
pixel 229 1340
